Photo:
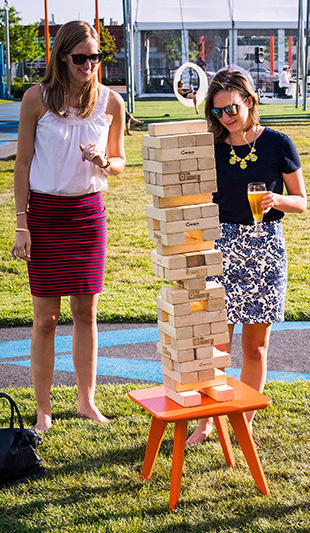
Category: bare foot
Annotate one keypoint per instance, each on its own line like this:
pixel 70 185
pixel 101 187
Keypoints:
pixel 92 412
pixel 201 433
pixel 44 422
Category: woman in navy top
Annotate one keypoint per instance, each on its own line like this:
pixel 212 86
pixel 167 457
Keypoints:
pixel 254 265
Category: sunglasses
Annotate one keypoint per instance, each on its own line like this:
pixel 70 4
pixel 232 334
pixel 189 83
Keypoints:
pixel 80 59
pixel 230 110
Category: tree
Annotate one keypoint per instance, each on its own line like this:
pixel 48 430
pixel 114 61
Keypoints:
pixel 24 43
pixel 107 46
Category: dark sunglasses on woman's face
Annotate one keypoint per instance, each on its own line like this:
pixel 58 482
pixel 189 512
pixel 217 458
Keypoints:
pixel 230 110
pixel 80 59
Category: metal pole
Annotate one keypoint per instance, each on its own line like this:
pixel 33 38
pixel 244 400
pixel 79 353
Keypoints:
pixel 306 59
pixel 128 53
pixel 298 51
pixel 97 25
pixel 7 50
pixel 46 34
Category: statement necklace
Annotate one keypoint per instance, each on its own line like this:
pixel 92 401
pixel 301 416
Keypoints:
pixel 243 160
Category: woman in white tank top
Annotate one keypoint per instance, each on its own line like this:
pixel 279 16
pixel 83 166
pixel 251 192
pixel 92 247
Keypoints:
pixel 70 140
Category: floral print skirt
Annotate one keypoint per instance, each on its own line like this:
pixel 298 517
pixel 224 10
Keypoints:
pixel 254 272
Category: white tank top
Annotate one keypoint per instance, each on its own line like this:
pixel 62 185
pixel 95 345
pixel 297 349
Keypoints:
pixel 57 167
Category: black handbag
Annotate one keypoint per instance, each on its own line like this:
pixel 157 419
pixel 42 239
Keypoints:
pixel 18 459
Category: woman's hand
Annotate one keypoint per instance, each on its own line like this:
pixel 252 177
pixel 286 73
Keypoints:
pixel 269 201
pixel 22 245
pixel 91 153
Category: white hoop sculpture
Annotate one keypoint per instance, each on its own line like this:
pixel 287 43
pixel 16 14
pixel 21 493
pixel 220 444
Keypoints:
pixel 203 84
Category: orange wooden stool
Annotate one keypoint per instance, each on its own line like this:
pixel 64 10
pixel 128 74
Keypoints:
pixel 165 410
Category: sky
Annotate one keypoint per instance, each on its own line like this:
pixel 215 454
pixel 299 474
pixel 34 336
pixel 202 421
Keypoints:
pixel 65 10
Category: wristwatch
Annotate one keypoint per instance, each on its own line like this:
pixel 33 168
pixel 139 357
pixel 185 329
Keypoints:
pixel 107 164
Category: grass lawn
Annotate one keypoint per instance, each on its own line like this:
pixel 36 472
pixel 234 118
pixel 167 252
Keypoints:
pixel 130 286
pixel 92 480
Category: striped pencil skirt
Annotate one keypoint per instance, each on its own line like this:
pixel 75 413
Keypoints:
pixel 68 244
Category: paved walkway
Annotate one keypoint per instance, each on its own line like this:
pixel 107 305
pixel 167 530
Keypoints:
pixel 127 353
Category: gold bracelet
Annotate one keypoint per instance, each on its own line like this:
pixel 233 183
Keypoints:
pixel 21 213
pixel 22 229
pixel 107 165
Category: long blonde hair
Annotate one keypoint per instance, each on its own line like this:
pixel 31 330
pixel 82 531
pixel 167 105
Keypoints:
pixel 56 81
pixel 230 80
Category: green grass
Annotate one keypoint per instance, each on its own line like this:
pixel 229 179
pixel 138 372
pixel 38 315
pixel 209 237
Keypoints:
pixel 130 287
pixel 92 480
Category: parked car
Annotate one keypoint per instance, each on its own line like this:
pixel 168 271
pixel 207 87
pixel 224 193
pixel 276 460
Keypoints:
pixel 264 73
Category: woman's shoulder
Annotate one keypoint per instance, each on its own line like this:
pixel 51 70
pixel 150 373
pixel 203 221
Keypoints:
pixel 115 102
pixel 270 135
pixel 33 99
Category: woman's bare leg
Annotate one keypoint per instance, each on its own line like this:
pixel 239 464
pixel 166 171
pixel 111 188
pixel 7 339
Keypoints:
pixel 255 342
pixel 84 351
pixel 204 427
pixel 45 318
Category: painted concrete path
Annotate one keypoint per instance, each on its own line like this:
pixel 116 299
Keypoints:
pixel 127 353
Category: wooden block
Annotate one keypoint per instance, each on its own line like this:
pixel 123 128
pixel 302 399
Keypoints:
pixel 183 379
pixel 205 163
pixel 192 319
pixel 213 257
pixel 220 393
pixel 171 191
pixel 186 399
pixel 213 234
pixel 167 141
pixel 191 245
pixel 158 270
pixel 162 315
pixel 179 295
pixel 189 165
pixel 167 363
pixel 181 200
pixel 147 176
pixel 175 333
pixel 220 338
pixel 174 310
pixel 194 259
pixel 194 176
pixel 185 141
pixel 177 128
pixel 163 338
pixel 171 262
pixel 218 327
pixel 145 152
pixel 192 188
pixel 220 359
pixel 207 186
pixel 214 270
pixel 220 378
pixel 209 210
pixel 188 225
pixel 193 284
pixel 153 179
pixel 192 342
pixel 179 356
pixel 190 212
pixel 215 316
pixel 205 375
pixel 167 167
pixel 170 214
pixel 192 152
pixel 176 239
pixel 204 352
pixel 214 305
pixel 204 138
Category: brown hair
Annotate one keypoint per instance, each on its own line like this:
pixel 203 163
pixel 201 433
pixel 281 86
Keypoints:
pixel 56 80
pixel 230 80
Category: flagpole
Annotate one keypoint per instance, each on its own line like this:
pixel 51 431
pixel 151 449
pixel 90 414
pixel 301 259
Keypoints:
pixel 46 33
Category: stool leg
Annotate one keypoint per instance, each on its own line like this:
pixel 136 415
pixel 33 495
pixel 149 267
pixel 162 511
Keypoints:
pixel 243 434
pixel 177 462
pixel 222 431
pixel 156 434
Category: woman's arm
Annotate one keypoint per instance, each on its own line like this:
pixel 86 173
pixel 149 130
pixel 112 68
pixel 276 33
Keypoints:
pixel 31 109
pixel 115 151
pixel 296 199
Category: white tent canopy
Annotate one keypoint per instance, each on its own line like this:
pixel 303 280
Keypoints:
pixel 215 14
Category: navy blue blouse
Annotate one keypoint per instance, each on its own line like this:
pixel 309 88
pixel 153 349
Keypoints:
pixel 276 154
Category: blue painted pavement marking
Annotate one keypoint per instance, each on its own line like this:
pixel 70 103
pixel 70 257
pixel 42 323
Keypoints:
pixel 144 370
pixel 118 337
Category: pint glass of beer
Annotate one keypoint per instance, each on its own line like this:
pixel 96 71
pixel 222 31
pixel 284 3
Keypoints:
pixel 256 192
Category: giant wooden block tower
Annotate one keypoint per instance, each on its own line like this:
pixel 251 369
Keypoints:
pixel 179 171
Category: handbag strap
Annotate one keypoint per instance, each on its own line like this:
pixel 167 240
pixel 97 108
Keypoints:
pixel 14 406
